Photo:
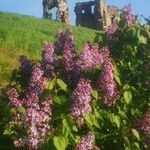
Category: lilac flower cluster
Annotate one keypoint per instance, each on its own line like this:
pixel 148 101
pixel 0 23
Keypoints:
pixel 86 143
pixel 144 123
pixel 13 97
pixel 65 43
pixel 127 16
pixel 36 116
pixel 106 80
pixel 69 56
pixel 111 30
pixel 80 101
pixel 60 38
pixel 90 57
pixel 48 58
pixel 26 65
pixel 37 81
pixel 147 70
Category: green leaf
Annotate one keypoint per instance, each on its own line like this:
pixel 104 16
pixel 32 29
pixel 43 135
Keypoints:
pixel 62 85
pixel 143 39
pixel 136 134
pixel 127 142
pixel 95 94
pixel 115 119
pixel 21 110
pixel 50 84
pixel 127 96
pixel 116 74
pixel 61 99
pixel 60 142
pixel 88 121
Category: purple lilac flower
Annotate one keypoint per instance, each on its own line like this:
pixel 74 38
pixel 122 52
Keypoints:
pixel 35 120
pixel 144 123
pixel 60 39
pixel 37 81
pixel 90 57
pixel 69 57
pixel 127 16
pixel 111 30
pixel 106 80
pixel 48 58
pixel 18 142
pixel 86 143
pixel 26 65
pixel 80 101
pixel 14 100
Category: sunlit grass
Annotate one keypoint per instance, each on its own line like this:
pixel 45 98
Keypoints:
pixel 24 35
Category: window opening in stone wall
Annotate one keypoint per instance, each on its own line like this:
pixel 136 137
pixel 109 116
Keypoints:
pixel 93 9
pixel 54 13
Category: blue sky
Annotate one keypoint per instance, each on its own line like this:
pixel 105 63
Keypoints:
pixel 34 7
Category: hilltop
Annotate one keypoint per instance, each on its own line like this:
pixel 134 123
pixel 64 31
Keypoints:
pixel 24 35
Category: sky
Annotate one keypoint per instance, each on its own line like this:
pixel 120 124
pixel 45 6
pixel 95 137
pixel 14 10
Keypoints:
pixel 34 7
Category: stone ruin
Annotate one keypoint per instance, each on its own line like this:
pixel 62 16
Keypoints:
pixel 62 10
pixel 95 14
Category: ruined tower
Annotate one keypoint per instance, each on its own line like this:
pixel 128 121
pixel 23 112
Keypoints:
pixel 94 14
pixel 62 10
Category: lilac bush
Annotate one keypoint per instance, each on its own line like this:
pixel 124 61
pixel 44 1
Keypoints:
pixel 61 100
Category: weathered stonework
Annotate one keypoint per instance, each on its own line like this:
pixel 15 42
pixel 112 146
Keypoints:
pixel 95 14
pixel 62 10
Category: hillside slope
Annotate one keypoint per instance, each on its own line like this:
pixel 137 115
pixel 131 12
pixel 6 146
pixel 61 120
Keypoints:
pixel 24 35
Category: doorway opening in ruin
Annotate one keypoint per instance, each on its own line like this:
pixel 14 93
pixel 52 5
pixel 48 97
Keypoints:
pixel 54 12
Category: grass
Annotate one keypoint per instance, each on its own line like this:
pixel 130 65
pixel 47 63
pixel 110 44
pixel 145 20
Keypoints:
pixel 24 35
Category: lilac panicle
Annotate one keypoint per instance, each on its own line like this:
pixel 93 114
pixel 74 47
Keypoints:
pixel 127 16
pixel 60 39
pixel 143 125
pixel 69 54
pixel 69 57
pixel 36 116
pixel 26 65
pixel 144 122
pixel 14 100
pixel 86 142
pixel 90 57
pixel 37 81
pixel 48 58
pixel 35 120
pixel 106 80
pixel 80 101
pixel 111 30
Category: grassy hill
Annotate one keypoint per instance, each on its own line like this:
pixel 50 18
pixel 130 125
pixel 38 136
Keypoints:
pixel 24 35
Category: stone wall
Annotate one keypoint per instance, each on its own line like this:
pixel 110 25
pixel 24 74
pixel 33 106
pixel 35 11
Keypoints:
pixel 62 10
pixel 94 14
